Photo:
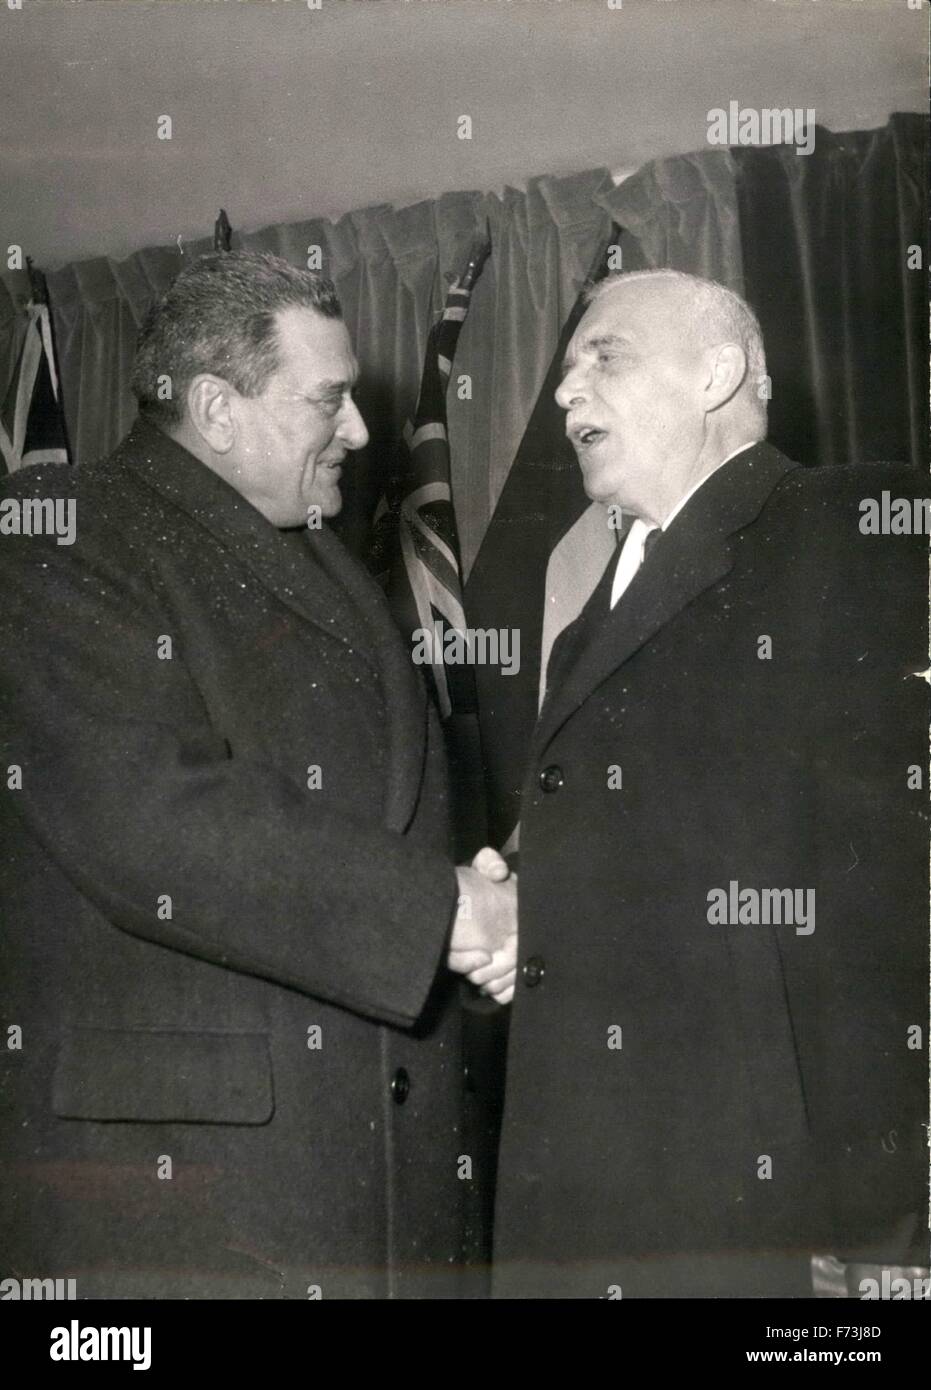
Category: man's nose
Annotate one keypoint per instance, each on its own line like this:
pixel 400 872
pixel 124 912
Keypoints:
pixel 352 429
pixel 571 390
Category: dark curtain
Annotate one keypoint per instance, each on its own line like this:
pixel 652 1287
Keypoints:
pixel 826 240
pixel 819 244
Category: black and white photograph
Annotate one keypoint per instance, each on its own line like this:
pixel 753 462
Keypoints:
pixel 464 666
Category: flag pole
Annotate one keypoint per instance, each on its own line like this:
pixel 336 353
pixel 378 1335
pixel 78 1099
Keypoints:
pixel 38 286
pixel 222 232
pixel 478 255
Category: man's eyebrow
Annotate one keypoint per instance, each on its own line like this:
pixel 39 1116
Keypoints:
pixel 327 386
pixel 607 340
pixel 601 340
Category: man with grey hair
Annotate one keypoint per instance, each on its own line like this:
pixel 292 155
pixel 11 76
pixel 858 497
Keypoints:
pixel 227 894
pixel 714 1078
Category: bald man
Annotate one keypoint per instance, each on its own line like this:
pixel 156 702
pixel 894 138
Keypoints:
pixel 714 1082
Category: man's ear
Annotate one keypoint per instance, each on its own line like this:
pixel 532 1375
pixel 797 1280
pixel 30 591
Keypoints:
pixel 727 373
pixel 210 411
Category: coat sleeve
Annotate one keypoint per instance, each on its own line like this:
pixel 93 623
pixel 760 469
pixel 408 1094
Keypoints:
pixel 137 799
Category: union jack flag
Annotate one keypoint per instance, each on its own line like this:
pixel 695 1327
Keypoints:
pixel 32 426
pixel 416 544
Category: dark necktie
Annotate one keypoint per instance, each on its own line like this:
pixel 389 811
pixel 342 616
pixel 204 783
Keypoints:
pixel 650 540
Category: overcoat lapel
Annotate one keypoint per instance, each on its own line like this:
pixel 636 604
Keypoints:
pixel 313 574
pixel 692 555
pixel 275 559
pixel 404 691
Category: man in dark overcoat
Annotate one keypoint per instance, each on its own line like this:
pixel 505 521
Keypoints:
pixel 231 1066
pixel 717 1070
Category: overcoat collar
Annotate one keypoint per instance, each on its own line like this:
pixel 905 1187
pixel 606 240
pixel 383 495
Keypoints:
pixel 692 555
pixel 324 586
pixel 273 557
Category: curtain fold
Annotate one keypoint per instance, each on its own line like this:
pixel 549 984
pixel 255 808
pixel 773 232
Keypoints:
pixel 683 213
pixel 826 249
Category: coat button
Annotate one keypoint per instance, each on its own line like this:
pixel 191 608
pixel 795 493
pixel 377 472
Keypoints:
pixel 400 1085
pixel 551 778
pixel 533 971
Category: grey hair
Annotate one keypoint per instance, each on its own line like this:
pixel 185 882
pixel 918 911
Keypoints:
pixel 219 316
pixel 720 315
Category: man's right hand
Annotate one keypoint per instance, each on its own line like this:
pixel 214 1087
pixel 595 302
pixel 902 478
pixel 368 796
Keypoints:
pixel 483 945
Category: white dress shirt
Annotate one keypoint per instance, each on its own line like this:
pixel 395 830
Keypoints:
pixel 631 556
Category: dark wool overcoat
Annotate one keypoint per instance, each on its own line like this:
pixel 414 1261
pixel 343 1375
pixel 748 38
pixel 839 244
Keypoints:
pixel 226 895
pixel 698 1098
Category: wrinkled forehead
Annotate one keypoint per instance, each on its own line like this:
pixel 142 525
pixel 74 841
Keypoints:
pixel 641 313
pixel 313 349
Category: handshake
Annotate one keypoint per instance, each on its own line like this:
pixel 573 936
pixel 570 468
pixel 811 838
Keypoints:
pixel 483 945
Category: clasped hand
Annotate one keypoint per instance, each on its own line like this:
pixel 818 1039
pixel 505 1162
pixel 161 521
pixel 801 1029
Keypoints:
pixel 483 945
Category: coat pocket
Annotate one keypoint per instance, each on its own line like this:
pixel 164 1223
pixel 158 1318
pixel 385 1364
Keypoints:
pixel 191 1078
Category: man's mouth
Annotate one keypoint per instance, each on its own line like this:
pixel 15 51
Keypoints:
pixel 586 436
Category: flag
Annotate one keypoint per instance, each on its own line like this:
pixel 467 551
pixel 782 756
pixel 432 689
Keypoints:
pixel 416 543
pixel 32 425
pixel 544 551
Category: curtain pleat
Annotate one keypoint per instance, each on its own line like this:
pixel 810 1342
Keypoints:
pixel 827 243
pixel 683 213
